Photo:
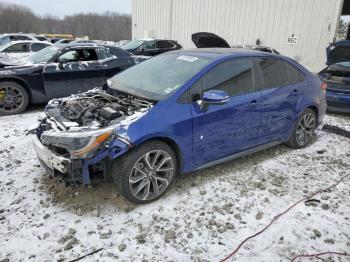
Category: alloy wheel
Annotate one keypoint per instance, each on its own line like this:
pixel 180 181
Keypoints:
pixel 151 175
pixel 11 98
pixel 305 129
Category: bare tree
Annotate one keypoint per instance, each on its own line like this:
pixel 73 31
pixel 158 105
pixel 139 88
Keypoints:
pixel 110 26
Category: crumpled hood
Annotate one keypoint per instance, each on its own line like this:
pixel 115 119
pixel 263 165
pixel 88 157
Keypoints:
pixel 338 52
pixel 208 40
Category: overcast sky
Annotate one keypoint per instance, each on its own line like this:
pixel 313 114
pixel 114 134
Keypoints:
pixel 61 8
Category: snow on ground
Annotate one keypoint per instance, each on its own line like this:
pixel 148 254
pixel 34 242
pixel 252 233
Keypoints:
pixel 203 217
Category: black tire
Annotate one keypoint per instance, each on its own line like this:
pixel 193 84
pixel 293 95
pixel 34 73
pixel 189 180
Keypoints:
pixel 303 130
pixel 14 99
pixel 127 171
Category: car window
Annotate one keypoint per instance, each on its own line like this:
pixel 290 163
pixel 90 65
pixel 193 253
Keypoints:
pixel 165 44
pixel 17 48
pixel 20 38
pixel 81 55
pixel 293 75
pixel 273 73
pixel 235 77
pixel 41 38
pixel 37 47
pixel 104 53
pixel 149 45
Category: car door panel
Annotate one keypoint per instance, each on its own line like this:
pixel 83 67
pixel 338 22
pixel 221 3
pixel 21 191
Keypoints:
pixel 225 129
pixel 221 130
pixel 73 78
pixel 277 104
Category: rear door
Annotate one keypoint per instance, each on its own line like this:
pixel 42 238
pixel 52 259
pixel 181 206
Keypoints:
pixel 279 97
pixel 222 130
pixel 81 71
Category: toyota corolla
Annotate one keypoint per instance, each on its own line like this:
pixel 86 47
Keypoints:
pixel 179 112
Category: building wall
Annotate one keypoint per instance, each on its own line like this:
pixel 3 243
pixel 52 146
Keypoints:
pixel 313 22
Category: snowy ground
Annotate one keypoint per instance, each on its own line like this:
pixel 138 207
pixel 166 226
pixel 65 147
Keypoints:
pixel 202 218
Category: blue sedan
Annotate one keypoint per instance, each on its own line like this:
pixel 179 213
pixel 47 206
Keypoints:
pixel 179 112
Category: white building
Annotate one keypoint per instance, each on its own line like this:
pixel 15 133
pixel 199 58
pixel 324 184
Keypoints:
pixel 301 29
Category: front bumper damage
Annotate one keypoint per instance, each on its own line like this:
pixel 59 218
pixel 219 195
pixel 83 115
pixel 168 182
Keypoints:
pixel 78 170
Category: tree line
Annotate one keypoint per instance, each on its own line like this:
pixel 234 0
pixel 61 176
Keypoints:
pixel 111 26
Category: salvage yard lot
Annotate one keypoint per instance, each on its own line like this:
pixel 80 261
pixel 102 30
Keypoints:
pixel 204 216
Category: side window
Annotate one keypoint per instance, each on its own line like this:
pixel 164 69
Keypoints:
pixel 149 45
pixel 88 55
pixel 17 48
pixel 20 38
pixel 234 77
pixel 273 73
pixel 165 44
pixel 81 55
pixel 104 53
pixel 293 74
pixel 70 56
pixel 37 47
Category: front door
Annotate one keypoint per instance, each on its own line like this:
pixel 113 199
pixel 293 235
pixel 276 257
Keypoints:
pixel 79 70
pixel 222 130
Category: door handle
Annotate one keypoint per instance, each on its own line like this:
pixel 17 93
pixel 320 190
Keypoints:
pixel 254 102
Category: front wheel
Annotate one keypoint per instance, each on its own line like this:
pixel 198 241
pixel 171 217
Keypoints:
pixel 14 98
pixel 304 129
pixel 146 173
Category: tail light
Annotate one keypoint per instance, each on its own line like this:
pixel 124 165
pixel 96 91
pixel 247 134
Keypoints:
pixel 324 87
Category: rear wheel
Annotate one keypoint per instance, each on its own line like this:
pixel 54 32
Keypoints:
pixel 304 129
pixel 146 173
pixel 14 98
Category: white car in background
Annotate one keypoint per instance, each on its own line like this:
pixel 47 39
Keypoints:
pixel 22 49
pixel 11 37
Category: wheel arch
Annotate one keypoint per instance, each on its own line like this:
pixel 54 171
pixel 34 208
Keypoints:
pixel 172 144
pixel 315 109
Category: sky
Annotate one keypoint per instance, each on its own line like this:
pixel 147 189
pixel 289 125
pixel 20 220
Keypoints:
pixel 61 8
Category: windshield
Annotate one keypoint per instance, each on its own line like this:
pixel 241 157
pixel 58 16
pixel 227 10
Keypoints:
pixel 158 77
pixel 4 40
pixel 43 55
pixel 133 44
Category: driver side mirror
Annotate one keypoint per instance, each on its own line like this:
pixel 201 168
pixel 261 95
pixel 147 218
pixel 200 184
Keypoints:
pixel 213 97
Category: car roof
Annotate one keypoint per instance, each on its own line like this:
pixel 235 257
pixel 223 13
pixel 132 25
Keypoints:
pixel 23 42
pixel 222 52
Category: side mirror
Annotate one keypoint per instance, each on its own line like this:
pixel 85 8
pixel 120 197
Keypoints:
pixel 215 97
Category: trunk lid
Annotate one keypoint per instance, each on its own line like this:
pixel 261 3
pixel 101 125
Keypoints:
pixel 208 40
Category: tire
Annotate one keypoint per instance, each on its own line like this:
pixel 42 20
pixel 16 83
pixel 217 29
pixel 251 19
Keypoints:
pixel 303 130
pixel 145 173
pixel 14 99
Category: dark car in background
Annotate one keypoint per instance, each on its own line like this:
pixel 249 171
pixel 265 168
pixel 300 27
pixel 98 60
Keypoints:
pixel 151 47
pixel 58 72
pixel 337 76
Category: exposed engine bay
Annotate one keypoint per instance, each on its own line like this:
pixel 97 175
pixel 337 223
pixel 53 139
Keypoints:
pixel 94 109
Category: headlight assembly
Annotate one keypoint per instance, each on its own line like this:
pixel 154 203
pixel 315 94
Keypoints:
pixel 78 144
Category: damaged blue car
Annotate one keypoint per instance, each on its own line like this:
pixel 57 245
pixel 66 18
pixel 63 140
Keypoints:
pixel 178 112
